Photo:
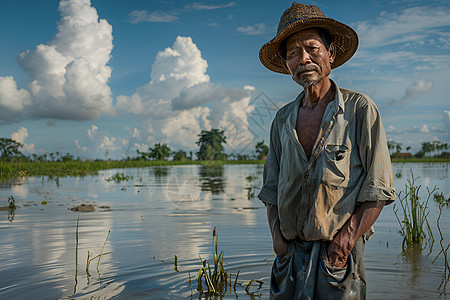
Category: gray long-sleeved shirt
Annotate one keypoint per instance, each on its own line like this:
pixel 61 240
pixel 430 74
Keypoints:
pixel 349 163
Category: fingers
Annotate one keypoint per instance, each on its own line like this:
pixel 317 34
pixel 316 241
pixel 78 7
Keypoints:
pixel 280 246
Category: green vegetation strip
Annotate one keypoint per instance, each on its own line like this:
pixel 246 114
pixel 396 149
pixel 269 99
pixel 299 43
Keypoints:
pixel 9 170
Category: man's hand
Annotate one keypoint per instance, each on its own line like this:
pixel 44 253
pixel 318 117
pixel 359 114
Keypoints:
pixel 280 244
pixel 336 257
pixel 360 221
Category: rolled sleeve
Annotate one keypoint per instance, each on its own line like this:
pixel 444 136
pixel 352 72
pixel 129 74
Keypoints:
pixel 378 184
pixel 269 190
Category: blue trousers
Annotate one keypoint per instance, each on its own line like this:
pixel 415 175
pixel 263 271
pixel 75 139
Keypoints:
pixel 304 273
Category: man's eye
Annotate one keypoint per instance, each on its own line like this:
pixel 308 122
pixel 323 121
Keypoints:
pixel 292 53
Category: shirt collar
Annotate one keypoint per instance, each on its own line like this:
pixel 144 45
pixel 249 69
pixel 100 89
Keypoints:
pixel 339 104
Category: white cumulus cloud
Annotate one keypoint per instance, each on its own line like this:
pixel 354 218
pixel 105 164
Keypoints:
pixel 180 100
pixel 12 100
pixel 424 129
pixel 69 74
pixel 19 136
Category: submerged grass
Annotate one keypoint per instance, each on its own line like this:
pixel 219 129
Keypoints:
pixel 414 225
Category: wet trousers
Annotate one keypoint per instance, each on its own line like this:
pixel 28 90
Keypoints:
pixel 304 273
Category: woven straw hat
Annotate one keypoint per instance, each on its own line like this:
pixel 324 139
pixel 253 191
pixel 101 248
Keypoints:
pixel 298 17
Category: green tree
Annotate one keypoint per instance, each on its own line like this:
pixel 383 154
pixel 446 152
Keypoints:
pixel 158 152
pixel 9 149
pixel 261 149
pixel 210 143
pixel 180 155
pixel 398 147
pixel 391 146
pixel 427 147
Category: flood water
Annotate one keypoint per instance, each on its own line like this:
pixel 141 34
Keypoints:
pixel 165 211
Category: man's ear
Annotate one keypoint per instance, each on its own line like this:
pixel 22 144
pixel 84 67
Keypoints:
pixel 332 52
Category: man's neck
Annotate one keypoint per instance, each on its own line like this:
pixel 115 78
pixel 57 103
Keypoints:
pixel 322 92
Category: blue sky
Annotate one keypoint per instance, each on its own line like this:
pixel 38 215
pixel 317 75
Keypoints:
pixel 103 78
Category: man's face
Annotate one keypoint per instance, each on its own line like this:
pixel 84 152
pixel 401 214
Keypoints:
pixel 307 58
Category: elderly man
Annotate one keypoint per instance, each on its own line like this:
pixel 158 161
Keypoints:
pixel 328 174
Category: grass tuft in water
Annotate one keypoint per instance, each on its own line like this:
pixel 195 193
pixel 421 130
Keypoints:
pixel 214 276
pixel 414 225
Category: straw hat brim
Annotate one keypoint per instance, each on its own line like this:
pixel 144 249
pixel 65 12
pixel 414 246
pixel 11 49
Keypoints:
pixel 343 36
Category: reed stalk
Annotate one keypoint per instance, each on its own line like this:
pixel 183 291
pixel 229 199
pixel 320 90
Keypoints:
pixel 76 246
pixel 101 252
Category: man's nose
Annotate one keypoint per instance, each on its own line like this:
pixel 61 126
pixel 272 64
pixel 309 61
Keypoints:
pixel 305 58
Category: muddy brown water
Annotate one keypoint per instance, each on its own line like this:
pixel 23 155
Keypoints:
pixel 166 211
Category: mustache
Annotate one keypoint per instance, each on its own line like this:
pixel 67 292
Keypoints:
pixel 308 67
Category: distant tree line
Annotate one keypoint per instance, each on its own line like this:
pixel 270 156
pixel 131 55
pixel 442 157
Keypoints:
pixel 210 143
pixel 434 149
pixel 10 151
pixel 211 147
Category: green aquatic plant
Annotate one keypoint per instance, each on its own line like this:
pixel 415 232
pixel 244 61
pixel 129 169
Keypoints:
pixel 442 202
pixel 11 208
pixel 12 203
pixel 76 247
pixel 175 267
pixel 89 259
pixel 414 225
pixel 440 199
pixel 119 177
pixel 215 276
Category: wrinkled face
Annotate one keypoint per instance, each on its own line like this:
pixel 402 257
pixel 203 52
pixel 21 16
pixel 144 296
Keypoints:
pixel 307 58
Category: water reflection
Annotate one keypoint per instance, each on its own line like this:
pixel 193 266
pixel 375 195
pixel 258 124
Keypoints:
pixel 212 178
pixel 253 186
pixel 172 212
pixel 412 255
pixel 160 171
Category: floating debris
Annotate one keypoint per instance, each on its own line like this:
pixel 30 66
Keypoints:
pixel 83 208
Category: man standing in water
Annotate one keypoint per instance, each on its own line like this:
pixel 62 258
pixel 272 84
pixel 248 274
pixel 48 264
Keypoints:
pixel 328 173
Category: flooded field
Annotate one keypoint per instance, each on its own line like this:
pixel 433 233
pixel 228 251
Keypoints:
pixel 154 214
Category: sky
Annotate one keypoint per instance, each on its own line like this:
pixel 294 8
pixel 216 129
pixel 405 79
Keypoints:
pixel 104 78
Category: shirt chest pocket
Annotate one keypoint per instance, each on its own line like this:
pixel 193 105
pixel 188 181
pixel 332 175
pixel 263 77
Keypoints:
pixel 336 164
